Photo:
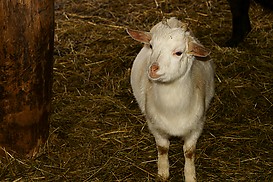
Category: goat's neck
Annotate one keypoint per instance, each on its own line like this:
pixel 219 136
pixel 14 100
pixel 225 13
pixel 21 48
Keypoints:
pixel 178 93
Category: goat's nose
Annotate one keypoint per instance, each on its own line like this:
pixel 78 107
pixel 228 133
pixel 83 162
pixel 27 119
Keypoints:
pixel 153 69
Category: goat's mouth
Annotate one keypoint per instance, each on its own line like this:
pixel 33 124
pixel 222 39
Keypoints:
pixel 154 76
pixel 153 72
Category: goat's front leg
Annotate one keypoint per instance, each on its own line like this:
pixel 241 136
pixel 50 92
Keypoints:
pixel 162 143
pixel 189 154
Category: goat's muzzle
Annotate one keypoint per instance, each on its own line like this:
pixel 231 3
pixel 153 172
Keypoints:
pixel 153 71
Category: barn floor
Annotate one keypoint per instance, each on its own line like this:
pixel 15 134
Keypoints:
pixel 97 131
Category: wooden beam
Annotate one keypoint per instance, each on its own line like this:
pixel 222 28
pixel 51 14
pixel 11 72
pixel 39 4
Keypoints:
pixel 26 66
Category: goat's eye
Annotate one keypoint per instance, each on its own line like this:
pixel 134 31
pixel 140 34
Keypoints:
pixel 151 47
pixel 179 53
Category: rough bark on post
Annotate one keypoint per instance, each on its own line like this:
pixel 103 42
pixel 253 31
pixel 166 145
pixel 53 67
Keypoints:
pixel 26 61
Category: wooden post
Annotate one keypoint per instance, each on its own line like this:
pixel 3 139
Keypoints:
pixel 26 66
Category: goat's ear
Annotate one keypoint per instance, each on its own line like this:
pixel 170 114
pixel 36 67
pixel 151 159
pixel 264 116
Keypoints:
pixel 140 36
pixel 198 50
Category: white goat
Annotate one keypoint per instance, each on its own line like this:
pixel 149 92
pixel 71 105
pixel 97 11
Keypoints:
pixel 173 82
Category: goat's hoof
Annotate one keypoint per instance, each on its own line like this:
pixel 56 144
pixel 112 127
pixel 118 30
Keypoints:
pixel 160 179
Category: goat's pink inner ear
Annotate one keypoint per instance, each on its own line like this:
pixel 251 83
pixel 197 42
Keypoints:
pixel 140 36
pixel 198 50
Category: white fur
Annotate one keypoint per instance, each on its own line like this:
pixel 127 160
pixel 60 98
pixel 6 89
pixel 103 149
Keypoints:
pixel 175 102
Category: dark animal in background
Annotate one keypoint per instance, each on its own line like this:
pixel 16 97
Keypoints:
pixel 240 19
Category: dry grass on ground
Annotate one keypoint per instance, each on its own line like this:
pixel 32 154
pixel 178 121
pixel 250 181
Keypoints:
pixel 97 131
